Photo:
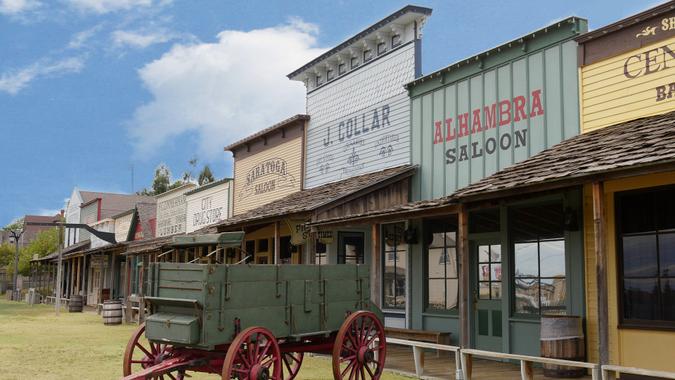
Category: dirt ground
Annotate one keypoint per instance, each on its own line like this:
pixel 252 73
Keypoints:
pixel 35 344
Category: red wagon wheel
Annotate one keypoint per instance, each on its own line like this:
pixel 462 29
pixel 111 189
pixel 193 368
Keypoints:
pixel 291 362
pixel 141 353
pixel 253 355
pixel 360 349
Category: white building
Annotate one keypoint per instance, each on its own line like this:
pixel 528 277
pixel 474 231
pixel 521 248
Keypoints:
pixel 208 204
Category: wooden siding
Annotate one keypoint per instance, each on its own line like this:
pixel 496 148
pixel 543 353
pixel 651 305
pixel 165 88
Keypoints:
pixel 628 347
pixel 609 97
pixel 389 196
pixel 549 74
pixel 208 206
pixel 171 209
pixel 88 215
pixel 246 197
pixel 122 225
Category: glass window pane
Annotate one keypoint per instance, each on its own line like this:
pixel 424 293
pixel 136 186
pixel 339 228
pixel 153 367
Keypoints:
pixel 484 290
pixel 496 290
pixel 483 253
pixel 668 299
pixel 496 253
pixel 639 256
pixel 527 295
pixel 553 292
pixel 452 287
pixel 640 299
pixel 667 254
pixel 636 213
pixel 450 262
pixel 552 256
pixel 496 274
pixel 436 265
pixel 527 261
pixel 437 294
pixel 483 272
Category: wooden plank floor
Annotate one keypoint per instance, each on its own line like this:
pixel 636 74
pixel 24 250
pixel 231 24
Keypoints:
pixel 400 360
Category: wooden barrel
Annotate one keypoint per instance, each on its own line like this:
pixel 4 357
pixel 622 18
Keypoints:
pixel 562 337
pixel 112 312
pixel 75 304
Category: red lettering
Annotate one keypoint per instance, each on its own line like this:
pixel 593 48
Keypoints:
pixel 476 121
pixel 438 134
pixel 463 120
pixel 504 112
pixel 449 130
pixel 519 108
pixel 537 109
pixel 490 116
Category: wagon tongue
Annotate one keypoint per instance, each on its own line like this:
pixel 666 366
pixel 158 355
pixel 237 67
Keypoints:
pixel 159 369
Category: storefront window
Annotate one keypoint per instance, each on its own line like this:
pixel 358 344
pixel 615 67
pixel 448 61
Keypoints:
pixel 442 275
pixel 539 257
pixel 646 240
pixel 321 253
pixel 394 259
pixel 351 247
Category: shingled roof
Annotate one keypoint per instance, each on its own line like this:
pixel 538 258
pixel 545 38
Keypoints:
pixel 310 199
pixel 636 144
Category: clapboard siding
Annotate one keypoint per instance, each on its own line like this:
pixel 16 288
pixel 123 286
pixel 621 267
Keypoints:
pixel 335 148
pixel 88 215
pixel 171 211
pixel 207 206
pixel 247 191
pixel 609 97
pixel 122 225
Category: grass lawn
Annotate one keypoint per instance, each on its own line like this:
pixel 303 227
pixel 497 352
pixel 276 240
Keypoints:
pixel 35 344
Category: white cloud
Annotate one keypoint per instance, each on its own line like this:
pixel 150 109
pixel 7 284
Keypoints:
pixel 48 211
pixel 15 7
pixel 140 40
pixel 80 39
pixel 14 81
pixel 223 90
pixel 107 6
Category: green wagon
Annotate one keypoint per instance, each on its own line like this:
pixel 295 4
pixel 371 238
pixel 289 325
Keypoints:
pixel 255 322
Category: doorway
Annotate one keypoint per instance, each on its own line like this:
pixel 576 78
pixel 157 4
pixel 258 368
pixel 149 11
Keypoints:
pixel 486 258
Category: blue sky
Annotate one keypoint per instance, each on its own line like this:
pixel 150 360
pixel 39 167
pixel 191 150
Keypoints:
pixel 90 88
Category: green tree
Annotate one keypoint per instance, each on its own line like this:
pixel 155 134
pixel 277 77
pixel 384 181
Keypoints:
pixel 44 243
pixel 162 180
pixel 205 176
pixel 187 175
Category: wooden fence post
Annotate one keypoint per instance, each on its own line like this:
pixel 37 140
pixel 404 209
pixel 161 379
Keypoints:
pixel 599 223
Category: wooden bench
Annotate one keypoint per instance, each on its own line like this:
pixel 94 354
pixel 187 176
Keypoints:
pixel 437 337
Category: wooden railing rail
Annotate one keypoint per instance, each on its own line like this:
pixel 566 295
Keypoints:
pixel 418 353
pixel 609 372
pixel 526 362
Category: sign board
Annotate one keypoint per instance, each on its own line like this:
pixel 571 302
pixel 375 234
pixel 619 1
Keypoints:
pixel 621 85
pixel 208 206
pixel 171 212
pixel 476 125
pixel 361 123
pixel 325 237
pixel 299 231
pixel 268 175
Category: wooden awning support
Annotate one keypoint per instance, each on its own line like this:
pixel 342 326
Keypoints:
pixel 277 243
pixel 464 291
pixel 599 226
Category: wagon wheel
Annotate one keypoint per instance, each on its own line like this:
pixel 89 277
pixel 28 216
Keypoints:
pixel 291 362
pixel 253 355
pixel 360 349
pixel 141 353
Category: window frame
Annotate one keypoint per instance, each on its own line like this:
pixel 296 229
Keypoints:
pixel 384 252
pixel 446 228
pixel 641 324
pixel 381 48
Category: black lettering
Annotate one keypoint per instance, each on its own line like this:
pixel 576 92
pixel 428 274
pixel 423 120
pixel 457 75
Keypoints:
pixel 385 116
pixel 350 128
pixel 520 137
pixel 463 155
pixel 357 131
pixel 450 157
pixel 660 93
pixel 340 135
pixel 666 50
pixel 505 141
pixel 625 67
pixel 376 120
pixel 476 152
pixel 490 145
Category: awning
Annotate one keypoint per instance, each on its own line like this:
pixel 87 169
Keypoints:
pixel 222 240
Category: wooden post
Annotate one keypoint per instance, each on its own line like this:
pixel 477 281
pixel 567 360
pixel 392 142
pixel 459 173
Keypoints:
pixel 376 266
pixel 464 291
pixel 526 370
pixel 599 224
pixel 78 265
pixel 277 255
pixel 127 288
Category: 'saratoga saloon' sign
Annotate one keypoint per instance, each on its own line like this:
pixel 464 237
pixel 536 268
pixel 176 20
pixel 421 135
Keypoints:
pixel 267 176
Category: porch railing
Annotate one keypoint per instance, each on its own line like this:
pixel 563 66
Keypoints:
pixel 609 372
pixel 526 372
pixel 418 352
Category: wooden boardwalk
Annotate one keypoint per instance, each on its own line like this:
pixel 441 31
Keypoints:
pixel 400 360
